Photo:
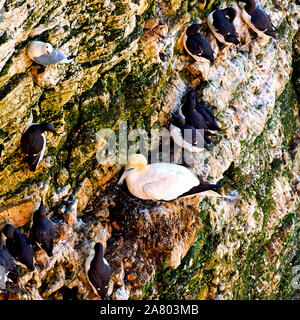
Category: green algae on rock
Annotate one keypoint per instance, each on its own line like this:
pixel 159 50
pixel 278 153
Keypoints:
pixel 128 68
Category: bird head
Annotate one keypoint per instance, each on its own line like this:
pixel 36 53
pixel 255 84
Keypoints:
pixel 135 162
pixel 193 29
pixel 98 246
pixel 190 100
pixel 233 38
pixel 40 212
pixel 47 48
pixel 8 231
pixel 47 126
pixel 209 56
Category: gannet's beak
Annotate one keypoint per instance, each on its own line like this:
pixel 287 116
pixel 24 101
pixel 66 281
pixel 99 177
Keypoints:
pixel 48 52
pixel 124 175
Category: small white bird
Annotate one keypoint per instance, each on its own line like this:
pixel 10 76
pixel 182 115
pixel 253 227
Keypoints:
pixel 162 181
pixel 44 54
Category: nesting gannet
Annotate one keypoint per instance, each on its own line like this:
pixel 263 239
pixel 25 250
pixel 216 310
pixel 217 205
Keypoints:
pixel 33 142
pixel 162 181
pixel 257 19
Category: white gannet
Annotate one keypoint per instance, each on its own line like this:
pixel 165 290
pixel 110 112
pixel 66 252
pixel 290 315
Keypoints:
pixel 162 181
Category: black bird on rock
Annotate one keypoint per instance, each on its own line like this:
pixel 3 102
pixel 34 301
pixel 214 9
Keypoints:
pixel 19 246
pixel 207 114
pixel 192 117
pixel 221 24
pixel 257 19
pixel 197 45
pixel 186 136
pixel 42 231
pixel 33 142
pixel 98 272
pixel 9 264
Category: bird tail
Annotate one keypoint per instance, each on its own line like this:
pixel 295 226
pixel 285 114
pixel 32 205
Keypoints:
pixel 271 33
pixel 201 188
pixel 68 59
pixel 33 161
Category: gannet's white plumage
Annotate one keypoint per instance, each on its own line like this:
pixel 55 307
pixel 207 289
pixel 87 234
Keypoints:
pixel 158 181
pixel 44 54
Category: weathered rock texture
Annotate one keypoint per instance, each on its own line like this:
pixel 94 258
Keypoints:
pixel 130 66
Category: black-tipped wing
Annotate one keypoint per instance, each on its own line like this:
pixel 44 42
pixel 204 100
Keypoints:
pixel 201 188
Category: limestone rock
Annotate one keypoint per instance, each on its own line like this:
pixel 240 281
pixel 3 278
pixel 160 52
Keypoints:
pixel 129 65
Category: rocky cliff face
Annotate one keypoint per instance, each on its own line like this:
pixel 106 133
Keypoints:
pixel 131 66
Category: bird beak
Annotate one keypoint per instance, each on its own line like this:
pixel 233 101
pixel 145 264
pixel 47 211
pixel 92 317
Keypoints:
pixel 124 175
pixel 48 52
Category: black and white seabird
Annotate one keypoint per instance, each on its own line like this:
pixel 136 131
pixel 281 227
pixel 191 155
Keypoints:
pixel 162 181
pixel 207 114
pixel 258 20
pixel 192 117
pixel 221 24
pixel 9 264
pixel 186 136
pixel 98 272
pixel 19 246
pixel 33 142
pixel 42 231
pixel 197 45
